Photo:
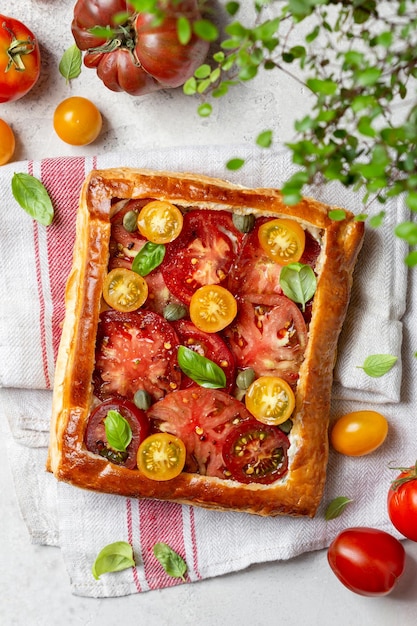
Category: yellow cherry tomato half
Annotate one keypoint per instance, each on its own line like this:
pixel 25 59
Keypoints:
pixel 270 399
pixel 212 308
pixel 160 221
pixel 283 240
pixel 7 142
pixel 359 433
pixel 161 456
pixel 124 290
pixel 77 121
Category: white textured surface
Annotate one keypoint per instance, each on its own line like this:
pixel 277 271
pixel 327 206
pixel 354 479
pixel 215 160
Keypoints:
pixel 34 583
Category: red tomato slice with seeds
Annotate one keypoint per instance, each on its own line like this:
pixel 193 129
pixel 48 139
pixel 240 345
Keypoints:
pixel 136 350
pixel 255 452
pixel 208 345
pixel 269 334
pixel 202 419
pixel 202 254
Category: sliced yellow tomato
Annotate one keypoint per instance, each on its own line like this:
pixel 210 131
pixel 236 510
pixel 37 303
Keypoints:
pixel 283 240
pixel 270 399
pixel 124 290
pixel 160 221
pixel 359 433
pixel 161 456
pixel 212 308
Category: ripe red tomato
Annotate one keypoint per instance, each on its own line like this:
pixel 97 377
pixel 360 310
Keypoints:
pixel 95 435
pixel 140 56
pixel 366 560
pixel 20 59
pixel 402 503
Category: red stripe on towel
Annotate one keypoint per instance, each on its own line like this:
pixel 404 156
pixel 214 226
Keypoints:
pixel 194 543
pixel 160 522
pixel 63 179
pixel 130 540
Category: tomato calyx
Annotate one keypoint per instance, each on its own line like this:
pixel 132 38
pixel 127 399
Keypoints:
pixel 408 474
pixel 17 48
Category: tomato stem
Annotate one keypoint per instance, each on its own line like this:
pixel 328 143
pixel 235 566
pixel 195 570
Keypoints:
pixel 17 49
pixel 411 475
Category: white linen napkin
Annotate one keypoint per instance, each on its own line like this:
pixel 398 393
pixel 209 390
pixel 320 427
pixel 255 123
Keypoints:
pixel 35 261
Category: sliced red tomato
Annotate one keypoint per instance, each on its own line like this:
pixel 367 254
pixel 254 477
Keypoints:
pixel 95 435
pixel 255 452
pixel 202 419
pixel 161 456
pixel 269 335
pixel 202 254
pixel 136 350
pixel 208 345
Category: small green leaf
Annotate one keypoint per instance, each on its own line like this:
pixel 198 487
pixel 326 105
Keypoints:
pixel 201 370
pixel 70 64
pixel 376 220
pixel 376 365
pixel 232 8
pixel 235 164
pixel 148 258
pixel 205 109
pixel 407 231
pixel 298 282
pixel 171 561
pixel 184 31
pixel 264 140
pixel 118 431
pixel 113 558
pixel 337 215
pixel 202 71
pixel 32 196
pixel 205 30
pixel 103 32
pixel 336 507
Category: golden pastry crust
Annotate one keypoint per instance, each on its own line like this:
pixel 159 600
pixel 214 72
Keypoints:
pixel 299 491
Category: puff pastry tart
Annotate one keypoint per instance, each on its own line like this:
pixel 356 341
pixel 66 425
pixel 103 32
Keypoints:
pixel 196 358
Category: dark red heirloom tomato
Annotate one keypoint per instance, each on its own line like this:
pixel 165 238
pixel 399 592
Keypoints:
pixel 256 453
pixel 20 59
pixel 366 560
pixel 95 435
pixel 140 56
pixel 134 351
pixel 402 503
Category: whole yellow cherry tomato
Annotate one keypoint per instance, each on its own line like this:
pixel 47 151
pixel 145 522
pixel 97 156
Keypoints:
pixel 77 121
pixel 359 433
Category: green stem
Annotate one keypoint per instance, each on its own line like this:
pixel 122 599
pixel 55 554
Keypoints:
pixel 17 49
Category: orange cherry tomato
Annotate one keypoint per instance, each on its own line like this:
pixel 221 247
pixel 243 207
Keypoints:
pixel 161 456
pixel 7 142
pixel 212 308
pixel 270 399
pixel 124 290
pixel 283 240
pixel 359 433
pixel 77 121
pixel 160 221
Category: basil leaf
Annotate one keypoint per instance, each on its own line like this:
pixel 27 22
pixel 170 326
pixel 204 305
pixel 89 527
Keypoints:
pixel 70 64
pixel 377 365
pixel 336 507
pixel 118 431
pixel 298 282
pixel 32 196
pixel 113 558
pixel 200 369
pixel 173 563
pixel 148 257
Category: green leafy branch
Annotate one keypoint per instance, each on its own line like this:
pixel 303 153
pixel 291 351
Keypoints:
pixel 358 61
